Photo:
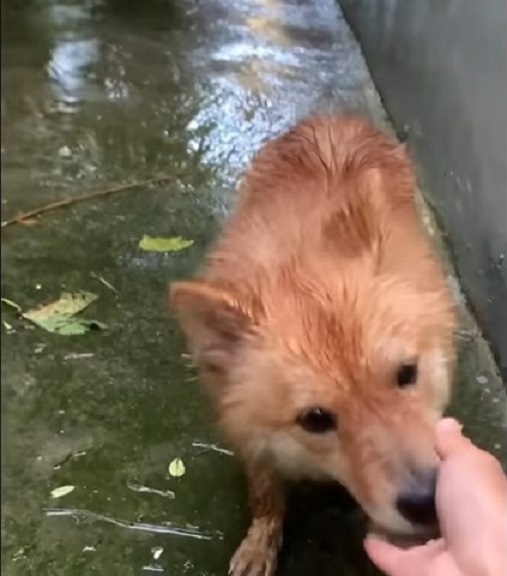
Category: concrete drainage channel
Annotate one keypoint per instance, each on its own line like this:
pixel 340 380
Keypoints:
pixel 441 70
pixel 420 57
pixel 98 93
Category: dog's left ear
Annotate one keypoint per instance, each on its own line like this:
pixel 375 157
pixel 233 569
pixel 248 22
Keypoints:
pixel 213 320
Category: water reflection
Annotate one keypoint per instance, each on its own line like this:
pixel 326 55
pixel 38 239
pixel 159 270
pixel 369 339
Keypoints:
pixel 70 60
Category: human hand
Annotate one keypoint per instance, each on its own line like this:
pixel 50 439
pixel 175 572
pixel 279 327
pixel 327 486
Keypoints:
pixel 471 500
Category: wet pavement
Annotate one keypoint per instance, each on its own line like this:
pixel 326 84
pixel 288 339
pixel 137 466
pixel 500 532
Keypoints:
pixel 99 93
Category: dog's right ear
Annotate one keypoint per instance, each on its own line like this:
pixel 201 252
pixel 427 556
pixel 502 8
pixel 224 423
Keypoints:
pixel 213 320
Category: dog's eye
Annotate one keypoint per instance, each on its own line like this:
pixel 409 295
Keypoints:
pixel 406 375
pixel 317 420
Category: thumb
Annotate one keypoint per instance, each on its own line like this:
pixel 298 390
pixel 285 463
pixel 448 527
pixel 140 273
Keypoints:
pixel 449 438
pixel 395 561
pixel 385 556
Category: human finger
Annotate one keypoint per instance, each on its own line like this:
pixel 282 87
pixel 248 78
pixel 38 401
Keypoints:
pixel 449 439
pixel 395 561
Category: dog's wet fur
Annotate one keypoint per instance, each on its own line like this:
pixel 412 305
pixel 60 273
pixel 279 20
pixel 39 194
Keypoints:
pixel 322 326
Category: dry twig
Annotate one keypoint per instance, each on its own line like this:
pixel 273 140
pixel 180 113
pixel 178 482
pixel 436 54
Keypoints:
pixel 81 198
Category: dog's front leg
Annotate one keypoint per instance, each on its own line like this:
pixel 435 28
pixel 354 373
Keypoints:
pixel 257 554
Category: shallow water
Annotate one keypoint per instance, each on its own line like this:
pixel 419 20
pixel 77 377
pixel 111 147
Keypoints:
pixel 99 93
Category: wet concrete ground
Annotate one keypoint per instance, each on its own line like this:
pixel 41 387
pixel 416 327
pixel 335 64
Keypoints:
pixel 93 94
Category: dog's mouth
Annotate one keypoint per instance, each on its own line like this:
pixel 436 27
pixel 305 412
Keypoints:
pixel 417 535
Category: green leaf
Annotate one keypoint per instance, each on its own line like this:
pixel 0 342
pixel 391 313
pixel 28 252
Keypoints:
pixel 174 244
pixel 177 468
pixel 60 317
pixel 67 325
pixel 67 305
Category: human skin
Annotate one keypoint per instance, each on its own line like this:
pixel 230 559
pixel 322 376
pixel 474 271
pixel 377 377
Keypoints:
pixel 471 499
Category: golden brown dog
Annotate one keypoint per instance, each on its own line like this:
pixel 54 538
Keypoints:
pixel 323 330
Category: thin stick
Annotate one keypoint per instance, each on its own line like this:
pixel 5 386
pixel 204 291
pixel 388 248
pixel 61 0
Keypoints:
pixel 105 283
pixel 81 198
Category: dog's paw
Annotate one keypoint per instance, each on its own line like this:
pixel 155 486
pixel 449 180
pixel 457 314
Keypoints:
pixel 257 554
pixel 253 559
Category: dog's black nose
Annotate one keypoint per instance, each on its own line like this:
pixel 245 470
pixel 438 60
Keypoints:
pixel 417 502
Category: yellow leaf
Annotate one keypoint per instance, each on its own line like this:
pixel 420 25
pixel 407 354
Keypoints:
pixel 177 468
pixel 174 244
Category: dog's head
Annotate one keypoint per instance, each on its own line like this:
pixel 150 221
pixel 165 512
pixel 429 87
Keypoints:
pixel 329 376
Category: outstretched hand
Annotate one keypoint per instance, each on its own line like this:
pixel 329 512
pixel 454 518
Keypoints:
pixel 471 500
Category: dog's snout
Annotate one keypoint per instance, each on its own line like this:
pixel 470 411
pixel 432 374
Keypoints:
pixel 416 503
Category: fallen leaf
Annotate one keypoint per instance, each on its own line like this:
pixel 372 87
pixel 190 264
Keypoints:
pixel 60 317
pixel 174 244
pixel 67 325
pixel 11 304
pixel 177 468
pixel 62 491
pixel 68 303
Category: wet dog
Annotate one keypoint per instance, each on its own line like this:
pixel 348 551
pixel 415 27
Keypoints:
pixel 322 327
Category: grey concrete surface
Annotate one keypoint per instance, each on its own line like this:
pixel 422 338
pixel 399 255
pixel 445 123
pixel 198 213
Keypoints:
pixel 441 70
pixel 100 92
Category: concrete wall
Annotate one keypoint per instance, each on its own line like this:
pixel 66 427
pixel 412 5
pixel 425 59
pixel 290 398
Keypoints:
pixel 441 69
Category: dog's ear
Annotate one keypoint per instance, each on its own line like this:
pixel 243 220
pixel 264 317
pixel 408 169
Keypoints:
pixel 213 320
